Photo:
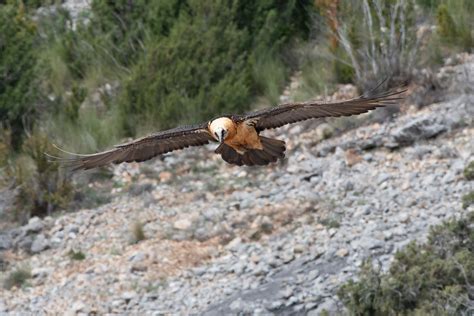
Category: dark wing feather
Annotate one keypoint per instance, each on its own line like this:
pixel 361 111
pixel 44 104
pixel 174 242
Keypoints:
pixel 140 149
pixel 295 112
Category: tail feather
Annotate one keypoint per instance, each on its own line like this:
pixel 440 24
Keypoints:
pixel 273 149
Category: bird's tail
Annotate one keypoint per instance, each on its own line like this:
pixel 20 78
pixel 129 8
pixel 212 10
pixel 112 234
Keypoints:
pixel 273 149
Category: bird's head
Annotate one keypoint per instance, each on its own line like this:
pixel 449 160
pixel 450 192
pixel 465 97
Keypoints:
pixel 221 128
pixel 221 133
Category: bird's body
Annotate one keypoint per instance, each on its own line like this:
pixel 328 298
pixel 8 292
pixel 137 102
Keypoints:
pixel 239 138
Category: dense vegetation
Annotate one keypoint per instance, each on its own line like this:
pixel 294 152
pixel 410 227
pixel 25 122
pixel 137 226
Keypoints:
pixel 434 278
pixel 124 68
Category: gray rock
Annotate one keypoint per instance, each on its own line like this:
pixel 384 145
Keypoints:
pixel 41 273
pixel 3 306
pixel 137 257
pixel 367 243
pixel 78 307
pixel 128 296
pixel 286 293
pixel 329 306
pixel 35 225
pixel 237 306
pixel 39 244
pixel 6 242
pixel 71 229
pixel 424 127
pixel 24 242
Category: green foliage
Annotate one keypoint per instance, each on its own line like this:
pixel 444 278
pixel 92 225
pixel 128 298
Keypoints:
pixel 17 278
pixel 209 63
pixel 468 200
pixel 17 64
pixel 428 279
pixel 343 70
pixel 5 145
pixel 196 72
pixel 446 27
pixel 455 23
pixel 428 4
pixel 138 234
pixel 469 171
pixel 124 26
pixel 76 255
pixel 44 187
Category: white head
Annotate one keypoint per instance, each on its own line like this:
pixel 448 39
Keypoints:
pixel 221 128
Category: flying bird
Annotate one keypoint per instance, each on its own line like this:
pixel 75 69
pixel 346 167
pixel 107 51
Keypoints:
pixel 239 136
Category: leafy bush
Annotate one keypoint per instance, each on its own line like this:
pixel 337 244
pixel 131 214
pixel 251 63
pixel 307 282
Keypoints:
pixel 43 186
pixel 138 234
pixel 196 72
pixel 455 24
pixel 429 279
pixel 17 278
pixel 205 65
pixel 18 94
pixel 469 171
pixel 76 255
pixel 468 200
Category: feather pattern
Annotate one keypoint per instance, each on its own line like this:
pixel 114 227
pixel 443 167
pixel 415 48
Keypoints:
pixel 140 149
pixel 295 112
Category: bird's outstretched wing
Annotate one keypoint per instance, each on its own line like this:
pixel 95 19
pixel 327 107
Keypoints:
pixel 140 149
pixel 294 112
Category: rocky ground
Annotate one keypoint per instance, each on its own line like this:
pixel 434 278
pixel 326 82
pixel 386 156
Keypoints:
pixel 268 240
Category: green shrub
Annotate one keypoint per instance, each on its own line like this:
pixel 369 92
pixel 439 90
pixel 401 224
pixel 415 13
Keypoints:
pixel 468 200
pixel 76 255
pixel 138 234
pixel 455 23
pixel 428 279
pixel 217 56
pixel 198 71
pixel 18 93
pixel 343 71
pixel 446 27
pixel 5 146
pixel 17 278
pixel 469 171
pixel 43 185
pixel 428 4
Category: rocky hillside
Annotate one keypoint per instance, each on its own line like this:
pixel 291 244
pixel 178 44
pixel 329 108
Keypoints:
pixel 190 234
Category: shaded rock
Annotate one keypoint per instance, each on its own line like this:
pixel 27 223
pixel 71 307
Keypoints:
pixel 24 242
pixel 39 244
pixel 5 242
pixel 41 272
pixel 35 225
pixel 420 128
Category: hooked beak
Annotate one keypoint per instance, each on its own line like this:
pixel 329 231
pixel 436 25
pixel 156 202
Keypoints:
pixel 221 135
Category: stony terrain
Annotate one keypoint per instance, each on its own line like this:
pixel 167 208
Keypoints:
pixel 272 240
